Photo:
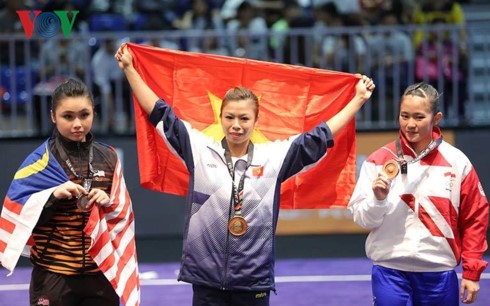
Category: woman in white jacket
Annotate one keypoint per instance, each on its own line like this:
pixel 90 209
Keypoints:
pixel 423 201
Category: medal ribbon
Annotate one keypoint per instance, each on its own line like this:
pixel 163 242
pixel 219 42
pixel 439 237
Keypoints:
pixel 237 191
pixel 404 163
pixel 86 181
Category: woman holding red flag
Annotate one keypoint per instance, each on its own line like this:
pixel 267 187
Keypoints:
pixel 427 210
pixel 234 188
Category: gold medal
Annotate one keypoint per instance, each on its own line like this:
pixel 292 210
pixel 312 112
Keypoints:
pixel 237 226
pixel 391 169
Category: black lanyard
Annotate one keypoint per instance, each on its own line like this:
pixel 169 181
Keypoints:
pixel 86 181
pixel 237 192
pixel 404 163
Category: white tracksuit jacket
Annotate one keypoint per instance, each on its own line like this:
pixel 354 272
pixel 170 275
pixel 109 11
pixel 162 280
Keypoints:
pixel 433 217
pixel 211 255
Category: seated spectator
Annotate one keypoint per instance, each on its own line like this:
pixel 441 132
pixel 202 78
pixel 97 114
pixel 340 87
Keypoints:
pixel 229 8
pixel 284 46
pixel 59 59
pixel 63 57
pixel 345 51
pixel 392 54
pixel 344 7
pixel 439 62
pixel 112 105
pixel 196 21
pixel 253 44
pixel 159 14
pixel 441 11
pixel 324 17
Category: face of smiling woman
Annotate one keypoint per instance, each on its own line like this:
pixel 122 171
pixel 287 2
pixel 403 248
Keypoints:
pixel 73 117
pixel 238 119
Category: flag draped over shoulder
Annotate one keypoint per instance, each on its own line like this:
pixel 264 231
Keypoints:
pixel 111 228
pixel 293 99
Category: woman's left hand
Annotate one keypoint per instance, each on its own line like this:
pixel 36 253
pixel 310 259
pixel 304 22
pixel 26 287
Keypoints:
pixel 97 196
pixel 469 290
pixel 364 88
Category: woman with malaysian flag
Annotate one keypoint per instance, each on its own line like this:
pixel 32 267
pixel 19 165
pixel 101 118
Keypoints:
pixel 68 209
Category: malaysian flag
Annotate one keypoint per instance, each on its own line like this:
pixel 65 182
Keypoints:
pixel 111 227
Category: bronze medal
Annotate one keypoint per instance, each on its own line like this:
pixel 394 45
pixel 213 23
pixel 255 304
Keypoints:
pixel 82 203
pixel 391 169
pixel 237 226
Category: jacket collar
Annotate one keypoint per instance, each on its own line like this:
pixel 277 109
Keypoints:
pixel 72 146
pixel 407 148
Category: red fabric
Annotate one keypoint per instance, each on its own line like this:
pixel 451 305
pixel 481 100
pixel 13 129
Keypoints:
pixel 293 99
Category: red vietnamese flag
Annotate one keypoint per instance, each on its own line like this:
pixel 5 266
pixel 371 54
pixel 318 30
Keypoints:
pixel 293 99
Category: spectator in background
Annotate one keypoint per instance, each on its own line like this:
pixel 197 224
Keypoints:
pixel 392 55
pixel 345 51
pixel 284 46
pixel 439 62
pixel 343 6
pixel 155 16
pixel 229 8
pixel 197 20
pixel 253 44
pixel 120 7
pixel 158 14
pixel 443 11
pixel 442 57
pixel 60 59
pixel 324 17
pixel 107 79
pixel 373 9
pixel 10 24
pixel 9 20
pixel 63 57
pixel 404 9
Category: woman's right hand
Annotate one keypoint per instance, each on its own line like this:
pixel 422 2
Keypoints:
pixel 381 186
pixel 68 191
pixel 124 57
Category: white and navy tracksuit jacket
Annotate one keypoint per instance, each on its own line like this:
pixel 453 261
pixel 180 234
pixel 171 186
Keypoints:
pixel 434 216
pixel 211 256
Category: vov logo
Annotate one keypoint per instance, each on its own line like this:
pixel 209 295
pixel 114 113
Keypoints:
pixel 47 24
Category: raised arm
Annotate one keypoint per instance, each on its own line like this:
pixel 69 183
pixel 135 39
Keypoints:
pixel 145 95
pixel 364 89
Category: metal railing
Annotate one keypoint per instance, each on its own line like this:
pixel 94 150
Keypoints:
pixel 460 69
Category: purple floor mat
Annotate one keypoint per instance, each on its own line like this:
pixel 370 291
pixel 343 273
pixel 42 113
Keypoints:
pixel 299 282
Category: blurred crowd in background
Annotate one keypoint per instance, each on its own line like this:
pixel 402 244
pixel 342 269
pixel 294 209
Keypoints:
pixel 397 42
